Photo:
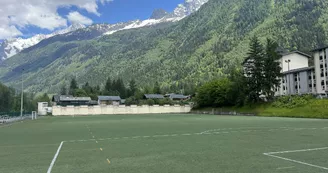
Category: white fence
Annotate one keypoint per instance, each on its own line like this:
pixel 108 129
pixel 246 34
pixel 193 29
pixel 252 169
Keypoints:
pixel 115 110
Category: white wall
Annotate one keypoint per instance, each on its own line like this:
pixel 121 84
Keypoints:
pixel 115 110
pixel 42 108
pixel 296 61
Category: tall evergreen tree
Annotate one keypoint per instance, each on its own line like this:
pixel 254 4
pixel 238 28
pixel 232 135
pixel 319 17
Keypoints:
pixel 272 69
pixel 253 68
pixel 133 87
pixel 73 87
pixel 109 85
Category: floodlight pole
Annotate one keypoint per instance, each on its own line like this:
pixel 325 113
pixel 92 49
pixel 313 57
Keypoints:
pixel 22 97
pixel 289 89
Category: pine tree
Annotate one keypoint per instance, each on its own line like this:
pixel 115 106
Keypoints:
pixel 109 85
pixel 253 68
pixel 73 87
pixel 272 69
pixel 133 87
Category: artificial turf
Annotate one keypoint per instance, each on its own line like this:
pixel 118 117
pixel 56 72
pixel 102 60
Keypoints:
pixel 163 143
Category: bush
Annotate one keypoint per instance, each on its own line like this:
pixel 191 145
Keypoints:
pixel 292 101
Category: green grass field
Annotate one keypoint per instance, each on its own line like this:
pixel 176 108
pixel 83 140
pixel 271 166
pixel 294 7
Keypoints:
pixel 165 143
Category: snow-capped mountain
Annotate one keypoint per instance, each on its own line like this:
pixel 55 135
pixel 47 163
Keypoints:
pixel 182 11
pixel 11 47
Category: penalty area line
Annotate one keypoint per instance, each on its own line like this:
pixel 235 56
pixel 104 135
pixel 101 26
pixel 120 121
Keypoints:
pixel 55 157
pixel 272 154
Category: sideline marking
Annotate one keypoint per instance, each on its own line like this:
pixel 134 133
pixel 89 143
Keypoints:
pixel 207 133
pixel 295 151
pixel 271 154
pixel 55 157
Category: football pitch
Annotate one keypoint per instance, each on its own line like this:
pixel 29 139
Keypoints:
pixel 164 143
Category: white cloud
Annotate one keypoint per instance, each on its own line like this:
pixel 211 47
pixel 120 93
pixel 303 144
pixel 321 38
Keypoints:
pixel 76 17
pixel 17 14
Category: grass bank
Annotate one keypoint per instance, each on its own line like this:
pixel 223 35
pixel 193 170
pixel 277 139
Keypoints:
pixel 297 107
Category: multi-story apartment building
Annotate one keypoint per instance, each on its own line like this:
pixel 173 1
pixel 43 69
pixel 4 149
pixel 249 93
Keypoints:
pixel 320 63
pixel 298 77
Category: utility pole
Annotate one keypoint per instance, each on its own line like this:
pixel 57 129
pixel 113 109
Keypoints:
pixel 22 97
pixel 289 89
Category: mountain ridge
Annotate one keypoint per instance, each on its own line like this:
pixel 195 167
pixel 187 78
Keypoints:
pixel 206 45
pixel 11 47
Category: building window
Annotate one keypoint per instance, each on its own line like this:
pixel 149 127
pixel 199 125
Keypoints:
pixel 321 65
pixel 310 85
pixel 322 83
pixel 320 58
pixel 314 85
pixel 284 88
pixel 283 80
pixel 310 77
pixel 322 75
pixel 326 65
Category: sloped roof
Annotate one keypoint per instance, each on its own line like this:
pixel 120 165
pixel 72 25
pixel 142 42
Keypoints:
pixel 71 98
pixel 109 98
pixel 320 48
pixel 298 52
pixel 56 98
pixel 178 96
pixel 154 96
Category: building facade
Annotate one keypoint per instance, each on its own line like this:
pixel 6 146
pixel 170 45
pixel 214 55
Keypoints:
pixel 298 78
pixel 320 63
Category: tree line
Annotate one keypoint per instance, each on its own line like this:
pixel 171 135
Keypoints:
pixel 115 87
pixel 257 81
pixel 10 100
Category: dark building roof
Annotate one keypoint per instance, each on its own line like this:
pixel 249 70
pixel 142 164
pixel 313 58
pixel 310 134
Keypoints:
pixel 69 98
pixel 298 52
pixel 154 96
pixel 299 70
pixel 178 96
pixel 320 48
pixel 109 98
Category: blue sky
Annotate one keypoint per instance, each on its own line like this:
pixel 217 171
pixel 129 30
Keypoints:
pixel 106 11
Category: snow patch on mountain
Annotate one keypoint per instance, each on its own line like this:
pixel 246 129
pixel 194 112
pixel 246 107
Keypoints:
pixel 11 47
pixel 182 11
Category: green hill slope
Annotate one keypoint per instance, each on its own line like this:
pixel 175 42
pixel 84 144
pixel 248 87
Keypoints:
pixel 203 46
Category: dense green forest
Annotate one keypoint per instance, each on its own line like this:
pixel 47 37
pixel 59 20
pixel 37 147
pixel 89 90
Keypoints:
pixel 10 100
pixel 207 45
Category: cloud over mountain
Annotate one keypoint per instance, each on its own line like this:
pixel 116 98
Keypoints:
pixel 15 15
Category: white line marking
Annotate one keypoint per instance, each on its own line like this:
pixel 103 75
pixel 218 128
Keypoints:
pixel 294 151
pixel 208 132
pixel 289 167
pixel 187 134
pixel 303 163
pixel 55 157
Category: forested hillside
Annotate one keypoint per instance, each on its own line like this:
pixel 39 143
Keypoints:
pixel 206 45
